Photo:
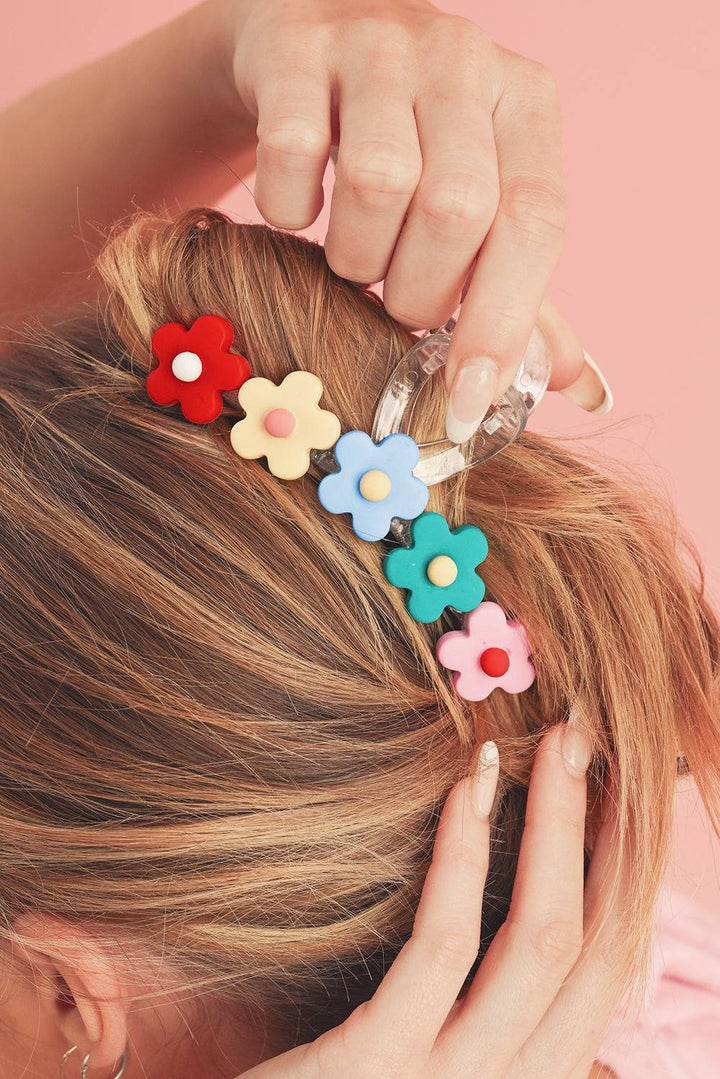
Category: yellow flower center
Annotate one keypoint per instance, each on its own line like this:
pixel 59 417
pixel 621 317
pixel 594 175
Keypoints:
pixel 375 485
pixel 442 571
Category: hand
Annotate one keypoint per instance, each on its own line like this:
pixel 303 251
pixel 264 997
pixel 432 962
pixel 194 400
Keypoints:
pixel 449 157
pixel 522 1015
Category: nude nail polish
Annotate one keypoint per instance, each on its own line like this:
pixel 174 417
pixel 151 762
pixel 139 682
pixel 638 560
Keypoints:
pixel 591 389
pixel 485 779
pixel 576 747
pixel 472 393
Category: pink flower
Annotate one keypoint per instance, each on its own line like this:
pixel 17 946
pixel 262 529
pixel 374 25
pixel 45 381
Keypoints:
pixel 488 653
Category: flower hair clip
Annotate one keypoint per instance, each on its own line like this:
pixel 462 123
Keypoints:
pixel 381 481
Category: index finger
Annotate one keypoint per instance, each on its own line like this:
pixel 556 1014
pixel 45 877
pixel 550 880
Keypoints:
pixel 519 254
pixel 417 993
pixel 541 939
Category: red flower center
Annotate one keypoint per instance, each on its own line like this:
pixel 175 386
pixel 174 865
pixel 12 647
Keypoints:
pixel 495 662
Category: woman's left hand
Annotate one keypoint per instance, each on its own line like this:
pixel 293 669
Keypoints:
pixel 544 994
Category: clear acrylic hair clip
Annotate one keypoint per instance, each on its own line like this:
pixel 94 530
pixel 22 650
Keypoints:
pixel 504 422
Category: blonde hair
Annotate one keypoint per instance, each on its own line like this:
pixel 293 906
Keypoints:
pixel 223 736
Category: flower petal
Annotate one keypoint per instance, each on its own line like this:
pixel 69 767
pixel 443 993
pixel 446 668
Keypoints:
pixel 325 430
pixel 168 340
pixel 257 393
pixel 210 332
pixel 520 675
pixel 453 649
pixel 403 450
pixel 429 531
pixel 413 499
pixel 474 685
pixel 332 492
pixel 287 458
pixel 248 440
pixel 301 386
pixel 466 592
pixel 372 522
pixel 202 406
pixel 400 567
pixel 471 545
pixel 162 386
pixel 350 448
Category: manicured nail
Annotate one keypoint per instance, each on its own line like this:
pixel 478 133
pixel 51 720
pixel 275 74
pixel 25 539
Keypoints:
pixel 590 389
pixel 471 395
pixel 485 779
pixel 576 747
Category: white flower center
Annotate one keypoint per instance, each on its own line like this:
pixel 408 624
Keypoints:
pixel 187 366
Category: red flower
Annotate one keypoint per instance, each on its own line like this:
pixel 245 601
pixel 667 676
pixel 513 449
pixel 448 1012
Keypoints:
pixel 195 367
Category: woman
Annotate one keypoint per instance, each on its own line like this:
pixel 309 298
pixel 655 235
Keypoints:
pixel 226 742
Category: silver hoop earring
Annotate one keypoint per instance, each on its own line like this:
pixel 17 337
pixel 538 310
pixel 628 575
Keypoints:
pixel 86 1064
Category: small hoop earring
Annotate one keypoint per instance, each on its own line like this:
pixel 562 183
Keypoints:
pixel 118 1073
pixel 86 1064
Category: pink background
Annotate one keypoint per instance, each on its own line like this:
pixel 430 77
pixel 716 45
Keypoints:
pixel 640 84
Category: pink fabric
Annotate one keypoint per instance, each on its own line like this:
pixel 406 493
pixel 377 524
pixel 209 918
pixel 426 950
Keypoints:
pixel 676 1035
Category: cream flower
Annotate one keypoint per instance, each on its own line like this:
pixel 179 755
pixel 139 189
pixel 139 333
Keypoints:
pixel 283 423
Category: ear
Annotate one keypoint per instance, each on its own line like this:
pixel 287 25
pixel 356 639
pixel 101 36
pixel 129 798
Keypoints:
pixel 78 984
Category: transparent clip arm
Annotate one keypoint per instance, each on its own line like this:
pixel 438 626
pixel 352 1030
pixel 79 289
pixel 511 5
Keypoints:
pixel 504 423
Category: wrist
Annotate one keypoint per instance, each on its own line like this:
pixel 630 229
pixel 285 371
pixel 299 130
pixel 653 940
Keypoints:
pixel 224 22
pixel 205 37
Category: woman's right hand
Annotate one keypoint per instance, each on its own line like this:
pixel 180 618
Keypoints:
pixel 448 173
pixel 522 1015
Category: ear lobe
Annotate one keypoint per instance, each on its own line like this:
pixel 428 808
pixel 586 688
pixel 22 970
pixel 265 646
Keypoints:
pixel 73 961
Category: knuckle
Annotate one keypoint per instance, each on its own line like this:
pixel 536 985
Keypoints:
pixel 557 946
pixel 466 859
pixel 363 272
pixel 535 208
pixel 407 314
pixel 537 80
pixel 375 32
pixel 459 32
pixel 502 322
pixel 376 169
pixel 544 81
pixel 458 201
pixel 294 138
pixel 454 951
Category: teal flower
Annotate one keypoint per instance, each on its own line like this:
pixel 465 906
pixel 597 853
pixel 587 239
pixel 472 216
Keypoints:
pixel 438 569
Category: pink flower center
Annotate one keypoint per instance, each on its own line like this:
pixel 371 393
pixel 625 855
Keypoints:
pixel 280 423
pixel 495 662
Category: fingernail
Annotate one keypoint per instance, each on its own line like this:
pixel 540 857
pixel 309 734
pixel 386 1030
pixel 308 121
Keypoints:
pixel 471 395
pixel 485 779
pixel 590 390
pixel 576 747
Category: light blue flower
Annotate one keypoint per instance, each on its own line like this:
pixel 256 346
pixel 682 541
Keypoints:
pixel 375 483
